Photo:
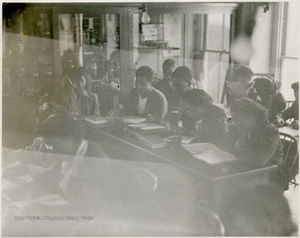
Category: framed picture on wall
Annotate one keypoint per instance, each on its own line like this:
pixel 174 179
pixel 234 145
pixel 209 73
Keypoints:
pixel 153 32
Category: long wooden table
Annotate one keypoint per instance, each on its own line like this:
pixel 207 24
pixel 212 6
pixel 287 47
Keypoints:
pixel 217 178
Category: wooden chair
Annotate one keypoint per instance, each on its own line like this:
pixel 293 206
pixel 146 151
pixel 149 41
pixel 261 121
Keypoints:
pixel 290 156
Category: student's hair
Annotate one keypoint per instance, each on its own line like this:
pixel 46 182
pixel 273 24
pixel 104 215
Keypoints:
pixel 267 84
pixel 260 210
pixel 61 125
pixel 183 73
pixel 145 72
pixel 198 97
pixel 168 63
pixel 295 86
pixel 76 75
pixel 248 107
pixel 243 71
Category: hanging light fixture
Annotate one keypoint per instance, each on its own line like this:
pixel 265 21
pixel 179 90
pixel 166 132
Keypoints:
pixel 145 17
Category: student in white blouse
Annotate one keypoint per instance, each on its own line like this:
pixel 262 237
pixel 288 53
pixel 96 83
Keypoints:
pixel 144 100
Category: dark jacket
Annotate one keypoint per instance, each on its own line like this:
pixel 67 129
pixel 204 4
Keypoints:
pixel 165 87
pixel 262 146
pixel 156 104
pixel 291 112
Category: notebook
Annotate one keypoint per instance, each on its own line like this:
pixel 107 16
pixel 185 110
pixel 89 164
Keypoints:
pixel 134 119
pixel 148 128
pixel 183 139
pixel 96 120
pixel 153 141
pixel 209 153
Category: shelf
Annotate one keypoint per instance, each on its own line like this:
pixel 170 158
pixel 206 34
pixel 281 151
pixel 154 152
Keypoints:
pixel 153 48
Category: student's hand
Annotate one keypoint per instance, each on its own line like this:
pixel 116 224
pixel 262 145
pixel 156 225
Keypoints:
pixel 279 121
pixel 295 124
pixel 150 118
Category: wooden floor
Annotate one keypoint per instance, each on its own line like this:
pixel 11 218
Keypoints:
pixel 292 196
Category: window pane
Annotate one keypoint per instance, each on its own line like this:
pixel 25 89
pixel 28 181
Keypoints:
pixel 226 29
pixel 212 74
pixel 292 37
pixel 289 75
pixel 214 37
pixel 223 70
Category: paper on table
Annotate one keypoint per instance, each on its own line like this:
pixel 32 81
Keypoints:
pixel 290 131
pixel 184 139
pixel 134 119
pixel 152 127
pixel 147 126
pixel 209 153
pixel 187 139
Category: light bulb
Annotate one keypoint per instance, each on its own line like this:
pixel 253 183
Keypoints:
pixel 145 18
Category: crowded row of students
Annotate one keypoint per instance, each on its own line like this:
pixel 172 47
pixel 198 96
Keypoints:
pixel 177 104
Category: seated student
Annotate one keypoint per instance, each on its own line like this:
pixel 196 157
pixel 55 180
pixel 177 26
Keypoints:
pixel 258 141
pixel 64 135
pixel 266 93
pixel 208 120
pixel 257 210
pixel 182 82
pixel 144 100
pixel 83 103
pixel 42 113
pixel 241 85
pixel 292 112
pixel 164 85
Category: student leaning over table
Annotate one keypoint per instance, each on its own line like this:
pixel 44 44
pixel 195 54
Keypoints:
pixel 144 100
pixel 204 119
pixel 258 141
pixel 265 92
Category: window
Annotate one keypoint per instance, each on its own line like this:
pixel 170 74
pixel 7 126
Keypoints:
pixel 290 49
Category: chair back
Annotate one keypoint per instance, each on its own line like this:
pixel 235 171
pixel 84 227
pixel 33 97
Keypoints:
pixel 290 155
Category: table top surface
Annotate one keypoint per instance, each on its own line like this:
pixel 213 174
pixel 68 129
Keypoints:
pixel 290 131
pixel 177 155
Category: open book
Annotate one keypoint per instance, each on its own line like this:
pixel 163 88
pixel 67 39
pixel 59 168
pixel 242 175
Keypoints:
pixel 209 153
